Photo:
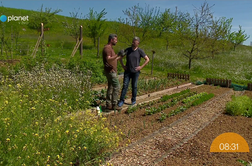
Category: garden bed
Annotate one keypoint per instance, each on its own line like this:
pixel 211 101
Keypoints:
pixel 197 150
pixel 145 86
pixel 137 126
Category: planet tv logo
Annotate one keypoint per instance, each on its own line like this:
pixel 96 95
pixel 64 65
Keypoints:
pixel 5 18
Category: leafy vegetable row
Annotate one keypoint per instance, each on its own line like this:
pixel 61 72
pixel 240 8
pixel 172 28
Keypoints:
pixel 164 98
pixel 204 97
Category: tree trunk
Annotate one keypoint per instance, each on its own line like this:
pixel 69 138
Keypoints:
pixel 94 42
pixel 234 47
pixel 167 44
pixel 190 62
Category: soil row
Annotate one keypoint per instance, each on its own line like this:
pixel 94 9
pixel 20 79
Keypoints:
pixel 136 126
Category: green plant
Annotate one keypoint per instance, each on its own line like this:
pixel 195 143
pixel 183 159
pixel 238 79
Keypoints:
pixel 194 97
pixel 245 163
pixel 177 111
pixel 44 120
pixel 98 97
pixel 162 117
pixel 160 108
pixel 167 97
pixel 240 105
pixel 131 109
pixel 202 99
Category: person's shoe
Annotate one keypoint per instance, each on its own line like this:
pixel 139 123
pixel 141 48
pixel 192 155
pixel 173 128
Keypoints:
pixel 120 103
pixel 133 103
pixel 117 108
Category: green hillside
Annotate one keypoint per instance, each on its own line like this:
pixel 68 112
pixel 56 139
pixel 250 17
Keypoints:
pixel 235 65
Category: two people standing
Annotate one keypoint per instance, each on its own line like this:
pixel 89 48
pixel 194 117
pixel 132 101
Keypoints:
pixel 131 71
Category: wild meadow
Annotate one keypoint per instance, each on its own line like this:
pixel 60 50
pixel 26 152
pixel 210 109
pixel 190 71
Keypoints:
pixel 40 119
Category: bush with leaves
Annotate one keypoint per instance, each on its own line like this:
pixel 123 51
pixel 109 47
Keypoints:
pixel 241 105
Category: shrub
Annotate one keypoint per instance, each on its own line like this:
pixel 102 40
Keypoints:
pixel 240 105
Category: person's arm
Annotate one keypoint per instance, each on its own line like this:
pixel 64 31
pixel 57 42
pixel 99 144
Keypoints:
pixel 109 56
pixel 144 64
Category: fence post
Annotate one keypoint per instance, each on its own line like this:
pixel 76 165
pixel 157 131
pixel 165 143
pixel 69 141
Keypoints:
pixel 153 53
pixel 81 44
pixel 38 42
pixel 250 86
pixel 42 40
pixel 229 83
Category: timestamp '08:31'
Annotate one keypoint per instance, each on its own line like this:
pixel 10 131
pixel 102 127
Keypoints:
pixel 226 146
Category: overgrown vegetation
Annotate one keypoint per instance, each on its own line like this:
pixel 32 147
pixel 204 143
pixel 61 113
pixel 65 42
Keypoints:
pixel 44 119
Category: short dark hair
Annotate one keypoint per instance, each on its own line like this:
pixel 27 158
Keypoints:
pixel 111 36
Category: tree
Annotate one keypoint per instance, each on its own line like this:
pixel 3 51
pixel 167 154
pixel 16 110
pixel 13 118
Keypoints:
pixel 165 25
pixel 73 28
pixel 238 37
pixel 194 35
pixel 95 24
pixel 47 17
pixel 217 35
pixel 138 22
pixel 147 18
pixel 128 28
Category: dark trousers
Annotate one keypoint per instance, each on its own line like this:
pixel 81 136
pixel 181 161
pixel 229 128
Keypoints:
pixel 126 79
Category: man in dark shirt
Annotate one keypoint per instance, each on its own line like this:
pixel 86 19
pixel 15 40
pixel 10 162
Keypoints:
pixel 132 69
pixel 110 70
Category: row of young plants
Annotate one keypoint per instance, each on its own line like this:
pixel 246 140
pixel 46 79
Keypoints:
pixel 152 85
pixel 164 106
pixel 164 98
pixel 192 102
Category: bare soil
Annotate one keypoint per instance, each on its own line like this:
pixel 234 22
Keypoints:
pixel 137 125
pixel 196 151
pixel 10 61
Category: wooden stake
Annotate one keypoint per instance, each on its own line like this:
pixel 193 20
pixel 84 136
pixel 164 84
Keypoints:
pixel 81 44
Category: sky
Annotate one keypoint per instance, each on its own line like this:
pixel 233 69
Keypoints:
pixel 239 10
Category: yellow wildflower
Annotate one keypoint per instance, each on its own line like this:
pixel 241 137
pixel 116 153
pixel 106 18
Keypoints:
pixel 18 85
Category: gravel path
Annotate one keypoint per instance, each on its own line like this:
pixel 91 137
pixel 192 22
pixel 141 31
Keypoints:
pixel 157 146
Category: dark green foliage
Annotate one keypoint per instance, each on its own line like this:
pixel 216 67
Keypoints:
pixel 202 99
